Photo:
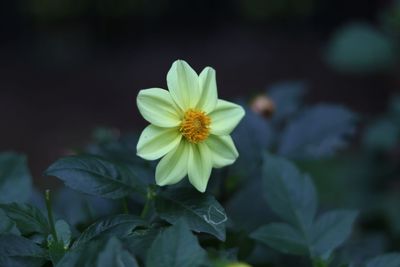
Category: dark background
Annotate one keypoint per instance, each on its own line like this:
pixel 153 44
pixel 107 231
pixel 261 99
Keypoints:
pixel 68 66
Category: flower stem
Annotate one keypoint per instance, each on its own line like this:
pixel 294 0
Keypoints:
pixel 145 210
pixel 149 199
pixel 125 205
pixel 50 215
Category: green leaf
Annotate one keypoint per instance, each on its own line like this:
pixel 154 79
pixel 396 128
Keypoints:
pixel 331 230
pixel 290 194
pixel 109 145
pixel 7 226
pixel 202 212
pixel 140 240
pixel 28 219
pixel 281 237
pixel 238 206
pixel 361 48
pixel 386 260
pixel 100 253
pixel 382 135
pixel 319 131
pixel 119 226
pixel 17 251
pixel 114 255
pixel 176 247
pixel 15 179
pixel 96 176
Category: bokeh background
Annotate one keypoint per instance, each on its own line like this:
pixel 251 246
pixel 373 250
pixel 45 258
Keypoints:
pixel 69 66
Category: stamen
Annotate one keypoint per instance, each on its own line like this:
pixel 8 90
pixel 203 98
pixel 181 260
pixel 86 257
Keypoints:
pixel 195 126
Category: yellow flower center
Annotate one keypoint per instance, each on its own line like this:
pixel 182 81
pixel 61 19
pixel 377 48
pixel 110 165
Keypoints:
pixel 195 126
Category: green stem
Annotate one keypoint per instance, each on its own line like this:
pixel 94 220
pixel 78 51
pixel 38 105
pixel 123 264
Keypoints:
pixel 125 205
pixel 149 198
pixel 145 210
pixel 50 215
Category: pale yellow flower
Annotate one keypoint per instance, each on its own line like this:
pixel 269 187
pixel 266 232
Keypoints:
pixel 190 127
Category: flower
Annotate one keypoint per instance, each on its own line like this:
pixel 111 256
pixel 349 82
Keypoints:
pixel 225 263
pixel 189 127
pixel 263 105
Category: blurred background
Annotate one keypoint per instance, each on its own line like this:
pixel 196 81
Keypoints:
pixel 68 66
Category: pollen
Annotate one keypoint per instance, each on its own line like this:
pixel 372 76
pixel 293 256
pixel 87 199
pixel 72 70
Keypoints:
pixel 195 126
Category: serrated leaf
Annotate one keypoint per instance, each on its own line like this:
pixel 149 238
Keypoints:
pixel 281 237
pixel 17 251
pixel 99 253
pixel 15 178
pixel 176 247
pixel 7 226
pixel 96 176
pixel 140 240
pixel 331 230
pixel 28 219
pixel 386 260
pixel 319 131
pixel 202 212
pixel 119 226
pixel 290 194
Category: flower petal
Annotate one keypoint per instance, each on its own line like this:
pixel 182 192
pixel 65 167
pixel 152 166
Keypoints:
pixel 183 84
pixel 157 107
pixel 199 166
pixel 223 150
pixel 155 142
pixel 173 167
pixel 208 87
pixel 225 117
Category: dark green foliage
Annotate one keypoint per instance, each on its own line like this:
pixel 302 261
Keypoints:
pixel 176 247
pixel 386 260
pixel 17 251
pixel 292 196
pixel 201 212
pixel 287 201
pixel 102 253
pixel 318 131
pixel 361 48
pixel 28 219
pixel 119 226
pixel 7 225
pixel 96 176
pixel 15 179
